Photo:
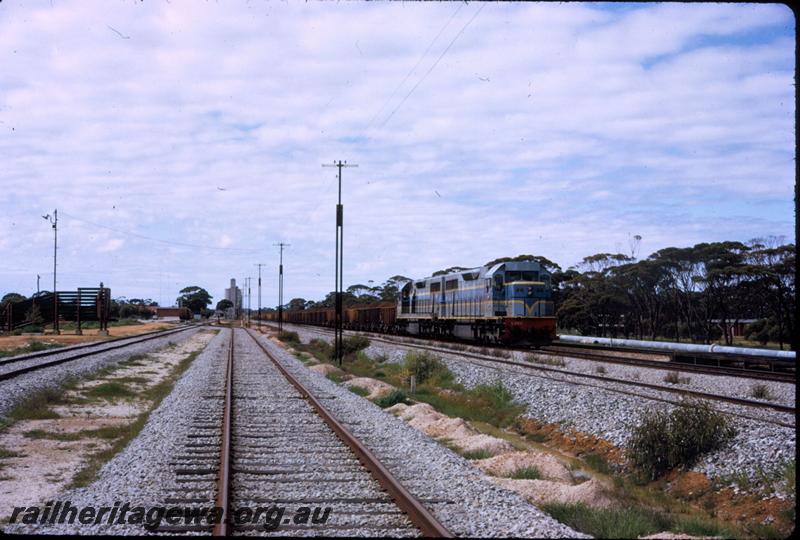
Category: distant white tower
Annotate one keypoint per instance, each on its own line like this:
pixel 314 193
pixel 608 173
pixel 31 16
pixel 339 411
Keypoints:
pixel 234 295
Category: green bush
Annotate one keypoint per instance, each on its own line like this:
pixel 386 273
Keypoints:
pixel 500 353
pixel 476 454
pixel 30 328
pixel 760 391
pixel 497 404
pixel 353 344
pixel 288 337
pixel 527 473
pixel 631 521
pixel 392 398
pixel 34 346
pixel 359 390
pixel 424 366
pixel 490 403
pixel 597 462
pixel 661 440
pixel 321 349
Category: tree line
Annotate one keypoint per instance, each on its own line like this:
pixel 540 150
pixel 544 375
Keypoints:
pixel 681 294
pixel 687 293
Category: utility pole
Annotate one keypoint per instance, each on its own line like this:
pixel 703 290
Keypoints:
pixel 249 280
pixel 54 221
pixel 339 261
pixel 280 286
pixel 244 302
pixel 259 292
pixel 38 277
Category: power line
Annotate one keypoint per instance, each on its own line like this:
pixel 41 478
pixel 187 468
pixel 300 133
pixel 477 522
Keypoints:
pixel 434 64
pixel 170 242
pixel 421 58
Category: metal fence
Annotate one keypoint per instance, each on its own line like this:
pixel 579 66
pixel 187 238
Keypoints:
pixel 84 305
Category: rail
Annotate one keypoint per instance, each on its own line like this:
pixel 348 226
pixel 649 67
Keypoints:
pixel 420 516
pixel 130 341
pixel 224 480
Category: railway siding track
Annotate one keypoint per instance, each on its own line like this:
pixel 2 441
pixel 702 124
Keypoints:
pixel 626 358
pixel 16 366
pixel 765 438
pixel 532 367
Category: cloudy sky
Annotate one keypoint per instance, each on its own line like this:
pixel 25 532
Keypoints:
pixel 181 140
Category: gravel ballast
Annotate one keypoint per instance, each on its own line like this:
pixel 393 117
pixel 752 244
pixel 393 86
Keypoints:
pixel 141 474
pixel 593 407
pixel 471 505
pixel 12 390
pixel 457 493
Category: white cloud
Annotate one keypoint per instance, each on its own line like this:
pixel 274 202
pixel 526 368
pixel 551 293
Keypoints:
pixel 110 245
pixel 593 124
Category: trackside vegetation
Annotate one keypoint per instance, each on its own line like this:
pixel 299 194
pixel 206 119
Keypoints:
pixel 662 440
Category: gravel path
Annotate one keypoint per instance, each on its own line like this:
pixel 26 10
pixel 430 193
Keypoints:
pixel 596 409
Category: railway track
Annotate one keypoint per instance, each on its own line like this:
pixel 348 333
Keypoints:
pixel 660 359
pixel 22 364
pixel 614 356
pixel 682 392
pixel 264 441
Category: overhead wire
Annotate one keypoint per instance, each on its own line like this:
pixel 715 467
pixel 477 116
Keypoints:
pixel 444 52
pixel 419 61
pixel 413 69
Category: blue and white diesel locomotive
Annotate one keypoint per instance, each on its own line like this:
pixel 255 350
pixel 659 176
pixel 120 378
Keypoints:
pixel 508 302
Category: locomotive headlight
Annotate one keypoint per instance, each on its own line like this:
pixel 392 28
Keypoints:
pixel 530 291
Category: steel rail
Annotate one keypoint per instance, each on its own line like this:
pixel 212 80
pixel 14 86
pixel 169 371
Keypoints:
pixel 420 516
pixel 681 391
pixel 528 366
pixel 21 371
pixel 221 528
pixel 70 348
pixel 673 365
pixel 563 349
